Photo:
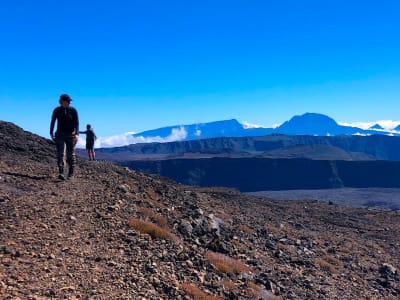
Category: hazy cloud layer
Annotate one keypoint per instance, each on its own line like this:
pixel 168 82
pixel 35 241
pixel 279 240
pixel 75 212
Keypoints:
pixel 387 125
pixel 180 133
pixel 177 134
pixel 247 125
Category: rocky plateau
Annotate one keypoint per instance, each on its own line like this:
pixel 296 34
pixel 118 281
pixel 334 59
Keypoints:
pixel 115 233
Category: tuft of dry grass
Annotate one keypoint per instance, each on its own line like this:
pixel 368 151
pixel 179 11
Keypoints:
pixel 253 290
pixel 357 278
pixel 226 264
pixel 229 285
pixel 333 260
pixel 157 218
pixel 151 229
pixel 271 228
pixel 246 229
pixel 196 293
pixel 288 248
pixel 280 229
pixel 325 265
pixel 344 249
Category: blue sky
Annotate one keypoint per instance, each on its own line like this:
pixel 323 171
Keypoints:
pixel 139 65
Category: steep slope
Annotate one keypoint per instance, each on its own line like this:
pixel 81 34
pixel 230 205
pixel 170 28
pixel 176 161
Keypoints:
pixel 79 239
pixel 259 174
pixel 343 147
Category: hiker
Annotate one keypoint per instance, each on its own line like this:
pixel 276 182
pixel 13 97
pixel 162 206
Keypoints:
pixel 90 138
pixel 66 135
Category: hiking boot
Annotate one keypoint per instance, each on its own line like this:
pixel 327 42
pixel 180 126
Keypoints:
pixel 61 176
pixel 71 176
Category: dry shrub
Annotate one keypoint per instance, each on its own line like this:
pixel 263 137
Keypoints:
pixel 229 285
pixel 349 239
pixel 157 218
pixel 288 248
pixel 332 260
pixel 226 264
pixel 286 229
pixel 246 229
pixel 344 249
pixel 321 252
pixel 253 290
pixel 237 243
pixel 153 194
pixel 325 265
pixel 151 229
pixel 271 228
pixel 196 293
pixel 357 278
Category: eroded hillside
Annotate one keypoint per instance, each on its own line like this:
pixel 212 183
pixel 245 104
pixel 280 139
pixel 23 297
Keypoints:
pixel 112 233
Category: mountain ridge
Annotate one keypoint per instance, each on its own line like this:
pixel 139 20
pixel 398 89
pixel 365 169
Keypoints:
pixel 306 124
pixel 343 147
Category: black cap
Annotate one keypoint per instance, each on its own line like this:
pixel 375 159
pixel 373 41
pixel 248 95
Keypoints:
pixel 65 97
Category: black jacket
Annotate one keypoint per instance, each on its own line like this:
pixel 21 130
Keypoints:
pixel 90 136
pixel 67 121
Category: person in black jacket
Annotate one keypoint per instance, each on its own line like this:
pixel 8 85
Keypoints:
pixel 66 135
pixel 90 138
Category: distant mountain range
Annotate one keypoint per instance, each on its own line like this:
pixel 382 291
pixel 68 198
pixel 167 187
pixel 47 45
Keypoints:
pixel 270 162
pixel 306 124
pixel 310 151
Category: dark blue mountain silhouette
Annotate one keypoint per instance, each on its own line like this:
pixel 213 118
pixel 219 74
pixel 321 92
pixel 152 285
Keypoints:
pixel 228 128
pixel 376 126
pixel 316 124
pixel 306 124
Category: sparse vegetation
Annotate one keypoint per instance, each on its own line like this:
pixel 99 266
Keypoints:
pixel 271 228
pixel 151 229
pixel 253 290
pixel 77 232
pixel 157 218
pixel 325 265
pixel 226 264
pixel 332 260
pixel 246 229
pixel 196 293
pixel 229 285
pixel 288 248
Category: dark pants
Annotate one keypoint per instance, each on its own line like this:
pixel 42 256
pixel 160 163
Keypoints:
pixel 65 143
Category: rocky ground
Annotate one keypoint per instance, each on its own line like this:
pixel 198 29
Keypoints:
pixel 112 233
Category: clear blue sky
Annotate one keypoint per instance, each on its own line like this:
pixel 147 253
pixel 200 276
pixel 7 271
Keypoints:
pixel 139 65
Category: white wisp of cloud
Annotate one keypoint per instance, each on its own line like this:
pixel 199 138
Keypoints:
pixel 387 125
pixel 177 134
pixel 248 125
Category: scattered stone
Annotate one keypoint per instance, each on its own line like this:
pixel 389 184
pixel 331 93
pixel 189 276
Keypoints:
pixel 264 249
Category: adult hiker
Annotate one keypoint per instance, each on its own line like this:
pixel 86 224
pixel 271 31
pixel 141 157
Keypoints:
pixel 90 138
pixel 66 135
